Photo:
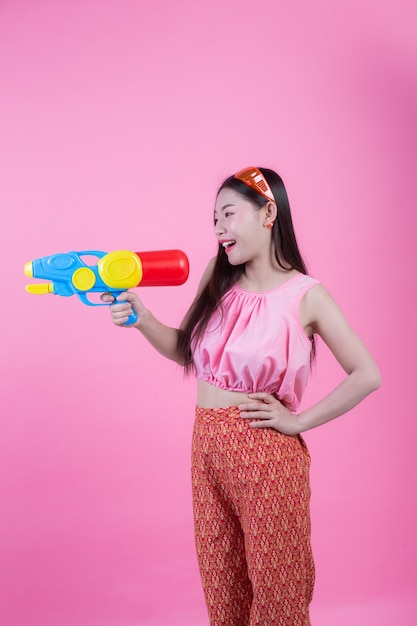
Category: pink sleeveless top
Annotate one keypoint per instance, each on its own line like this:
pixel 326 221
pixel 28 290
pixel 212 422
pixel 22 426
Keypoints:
pixel 256 343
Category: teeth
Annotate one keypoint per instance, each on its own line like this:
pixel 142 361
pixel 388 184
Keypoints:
pixel 225 244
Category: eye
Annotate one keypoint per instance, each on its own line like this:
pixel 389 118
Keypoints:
pixel 228 214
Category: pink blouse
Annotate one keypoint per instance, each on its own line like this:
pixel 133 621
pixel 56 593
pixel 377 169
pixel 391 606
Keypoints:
pixel 256 343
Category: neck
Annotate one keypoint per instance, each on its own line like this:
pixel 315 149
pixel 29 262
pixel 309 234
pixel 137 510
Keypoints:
pixel 264 275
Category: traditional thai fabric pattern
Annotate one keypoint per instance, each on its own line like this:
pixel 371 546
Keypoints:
pixel 251 498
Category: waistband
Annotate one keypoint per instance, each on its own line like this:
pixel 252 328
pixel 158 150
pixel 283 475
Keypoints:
pixel 231 414
pixel 219 414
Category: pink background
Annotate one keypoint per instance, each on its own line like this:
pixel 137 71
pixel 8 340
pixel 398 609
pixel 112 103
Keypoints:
pixel 118 122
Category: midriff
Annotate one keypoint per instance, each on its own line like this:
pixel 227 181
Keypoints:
pixel 212 397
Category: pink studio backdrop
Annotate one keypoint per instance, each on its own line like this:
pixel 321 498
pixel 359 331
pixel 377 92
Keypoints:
pixel 118 122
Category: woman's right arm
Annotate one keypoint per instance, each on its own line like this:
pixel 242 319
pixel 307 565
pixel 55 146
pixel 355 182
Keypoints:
pixel 161 337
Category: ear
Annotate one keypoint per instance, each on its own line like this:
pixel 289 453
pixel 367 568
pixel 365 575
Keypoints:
pixel 270 213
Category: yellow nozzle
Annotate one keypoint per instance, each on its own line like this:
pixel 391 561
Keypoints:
pixel 40 288
pixel 29 270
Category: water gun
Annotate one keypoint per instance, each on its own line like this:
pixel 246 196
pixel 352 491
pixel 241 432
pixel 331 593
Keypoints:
pixel 113 273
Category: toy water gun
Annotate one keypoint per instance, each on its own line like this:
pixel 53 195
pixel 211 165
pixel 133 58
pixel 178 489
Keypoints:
pixel 114 273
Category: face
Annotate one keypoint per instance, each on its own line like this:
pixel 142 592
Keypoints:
pixel 240 227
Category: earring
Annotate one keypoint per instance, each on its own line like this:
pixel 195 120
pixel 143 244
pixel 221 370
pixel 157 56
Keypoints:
pixel 270 225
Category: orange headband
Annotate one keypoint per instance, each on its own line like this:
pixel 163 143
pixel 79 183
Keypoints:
pixel 253 178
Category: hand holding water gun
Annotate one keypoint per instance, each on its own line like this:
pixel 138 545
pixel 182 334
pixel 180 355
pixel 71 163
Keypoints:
pixel 113 274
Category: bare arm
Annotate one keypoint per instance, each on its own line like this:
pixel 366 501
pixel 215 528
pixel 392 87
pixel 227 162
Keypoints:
pixel 320 314
pixel 325 318
pixel 162 337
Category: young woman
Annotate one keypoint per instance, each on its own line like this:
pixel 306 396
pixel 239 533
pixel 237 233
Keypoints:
pixel 249 338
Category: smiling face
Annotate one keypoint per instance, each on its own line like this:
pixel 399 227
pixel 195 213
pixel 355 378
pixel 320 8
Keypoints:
pixel 240 227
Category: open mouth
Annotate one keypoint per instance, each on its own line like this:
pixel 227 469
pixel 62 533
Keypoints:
pixel 228 245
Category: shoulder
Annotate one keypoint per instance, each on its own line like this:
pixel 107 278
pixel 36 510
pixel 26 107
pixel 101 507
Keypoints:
pixel 320 311
pixel 299 285
pixel 305 282
pixel 316 297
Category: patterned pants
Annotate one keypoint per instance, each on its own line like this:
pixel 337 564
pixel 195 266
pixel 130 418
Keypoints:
pixel 252 524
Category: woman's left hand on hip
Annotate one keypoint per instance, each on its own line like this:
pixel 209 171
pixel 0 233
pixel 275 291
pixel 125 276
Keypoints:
pixel 269 413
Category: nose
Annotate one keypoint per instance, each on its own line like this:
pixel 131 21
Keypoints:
pixel 219 228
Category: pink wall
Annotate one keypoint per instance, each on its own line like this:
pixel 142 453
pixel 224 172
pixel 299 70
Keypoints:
pixel 118 121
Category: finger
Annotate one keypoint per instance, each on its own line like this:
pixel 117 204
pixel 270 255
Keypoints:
pixel 262 396
pixel 122 316
pixel 255 415
pixel 121 307
pixel 122 297
pixel 260 424
pixel 127 296
pixel 121 320
pixel 257 395
pixel 252 406
pixel 107 297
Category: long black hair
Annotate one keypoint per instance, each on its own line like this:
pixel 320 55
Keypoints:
pixel 224 274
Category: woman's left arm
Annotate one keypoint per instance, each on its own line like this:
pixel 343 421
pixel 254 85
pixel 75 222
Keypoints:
pixel 320 314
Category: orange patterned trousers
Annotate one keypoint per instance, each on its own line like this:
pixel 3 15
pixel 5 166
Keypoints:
pixel 251 498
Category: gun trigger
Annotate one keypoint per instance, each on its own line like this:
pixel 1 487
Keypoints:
pixel 40 288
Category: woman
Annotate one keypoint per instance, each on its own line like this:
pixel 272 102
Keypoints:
pixel 249 338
